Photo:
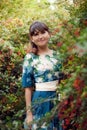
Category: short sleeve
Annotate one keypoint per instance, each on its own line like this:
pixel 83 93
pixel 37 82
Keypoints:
pixel 27 73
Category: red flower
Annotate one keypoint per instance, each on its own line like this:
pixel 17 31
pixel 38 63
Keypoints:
pixel 79 102
pixel 67 121
pixel 85 22
pixel 59 44
pixel 64 127
pixel 55 31
pixel 0 52
pixel 78 84
pixel 19 53
pixel 77 32
pixel 84 124
pixel 65 102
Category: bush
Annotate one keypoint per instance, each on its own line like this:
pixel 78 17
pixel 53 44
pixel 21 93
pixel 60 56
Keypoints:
pixel 68 37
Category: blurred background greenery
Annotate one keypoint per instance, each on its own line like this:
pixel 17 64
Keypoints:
pixel 67 20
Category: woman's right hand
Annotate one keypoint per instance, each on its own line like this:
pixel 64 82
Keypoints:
pixel 29 118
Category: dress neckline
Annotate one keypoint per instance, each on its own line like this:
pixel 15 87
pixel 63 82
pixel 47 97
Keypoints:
pixel 47 54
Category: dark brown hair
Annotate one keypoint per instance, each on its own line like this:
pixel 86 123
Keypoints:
pixel 33 30
pixel 37 26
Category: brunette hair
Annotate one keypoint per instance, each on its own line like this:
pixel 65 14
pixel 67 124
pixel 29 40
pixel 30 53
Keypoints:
pixel 33 30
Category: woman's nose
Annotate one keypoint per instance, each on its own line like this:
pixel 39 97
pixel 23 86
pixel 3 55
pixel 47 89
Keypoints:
pixel 40 35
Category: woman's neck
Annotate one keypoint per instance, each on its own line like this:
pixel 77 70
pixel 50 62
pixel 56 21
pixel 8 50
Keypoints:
pixel 43 50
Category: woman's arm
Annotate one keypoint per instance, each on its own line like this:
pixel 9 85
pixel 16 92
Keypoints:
pixel 28 95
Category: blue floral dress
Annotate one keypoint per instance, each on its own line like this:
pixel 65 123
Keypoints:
pixel 42 69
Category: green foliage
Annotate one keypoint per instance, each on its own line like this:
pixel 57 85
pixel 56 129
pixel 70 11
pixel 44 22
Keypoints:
pixel 69 36
pixel 80 9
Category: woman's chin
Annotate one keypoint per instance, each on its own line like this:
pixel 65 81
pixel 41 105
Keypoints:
pixel 42 44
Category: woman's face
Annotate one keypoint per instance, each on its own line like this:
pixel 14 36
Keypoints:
pixel 40 39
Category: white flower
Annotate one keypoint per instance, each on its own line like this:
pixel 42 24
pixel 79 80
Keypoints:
pixel 35 62
pixel 41 67
pixel 27 79
pixel 44 66
pixel 28 56
pixel 39 80
pixel 44 125
pixel 56 73
pixel 54 60
pixel 49 75
pixel 23 70
pixel 26 63
pixel 34 126
pixel 49 65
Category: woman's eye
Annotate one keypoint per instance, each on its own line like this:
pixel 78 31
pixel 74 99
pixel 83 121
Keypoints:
pixel 35 34
pixel 43 32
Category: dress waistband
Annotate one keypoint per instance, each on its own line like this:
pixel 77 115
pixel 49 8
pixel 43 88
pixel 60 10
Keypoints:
pixel 47 86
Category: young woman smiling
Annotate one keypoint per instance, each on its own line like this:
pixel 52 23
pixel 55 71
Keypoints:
pixel 41 69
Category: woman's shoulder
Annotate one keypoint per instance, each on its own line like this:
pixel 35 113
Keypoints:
pixel 28 59
pixel 29 56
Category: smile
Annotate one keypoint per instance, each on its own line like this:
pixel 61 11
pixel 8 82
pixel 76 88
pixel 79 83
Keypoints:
pixel 41 40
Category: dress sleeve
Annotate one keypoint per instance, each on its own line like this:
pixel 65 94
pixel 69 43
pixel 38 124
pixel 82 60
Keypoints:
pixel 27 73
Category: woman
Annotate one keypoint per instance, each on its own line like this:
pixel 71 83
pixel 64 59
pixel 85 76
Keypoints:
pixel 40 71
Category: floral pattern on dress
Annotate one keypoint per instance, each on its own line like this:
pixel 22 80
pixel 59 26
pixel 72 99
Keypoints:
pixel 38 69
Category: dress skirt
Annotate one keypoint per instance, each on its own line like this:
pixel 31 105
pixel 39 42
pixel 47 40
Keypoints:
pixel 42 104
